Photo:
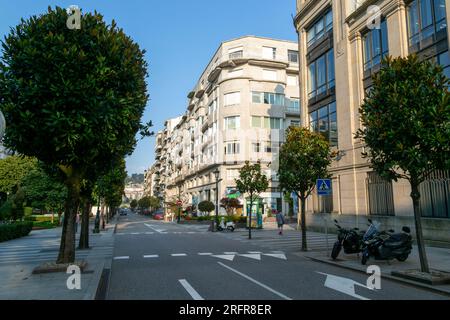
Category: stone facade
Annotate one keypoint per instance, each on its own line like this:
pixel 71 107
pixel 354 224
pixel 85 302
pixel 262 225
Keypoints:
pixel 357 50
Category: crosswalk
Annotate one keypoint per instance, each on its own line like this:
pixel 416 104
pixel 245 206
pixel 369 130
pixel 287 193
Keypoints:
pixel 42 249
pixel 289 241
pixel 229 256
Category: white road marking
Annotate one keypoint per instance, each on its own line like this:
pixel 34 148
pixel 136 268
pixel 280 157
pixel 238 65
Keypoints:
pixel 194 294
pixel 276 255
pixel 157 230
pixel 122 258
pixel 230 253
pixel 229 257
pixel 256 282
pixel 179 254
pixel 254 252
pixel 205 254
pixel 251 256
pixel 151 256
pixel 343 285
pixel 135 233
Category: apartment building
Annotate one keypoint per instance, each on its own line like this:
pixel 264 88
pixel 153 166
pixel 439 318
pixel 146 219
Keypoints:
pixel 341 44
pixel 238 110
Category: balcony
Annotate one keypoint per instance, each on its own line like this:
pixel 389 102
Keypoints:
pixel 292 111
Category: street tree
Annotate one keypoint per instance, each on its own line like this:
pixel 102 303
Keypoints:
pixel 230 204
pixel 155 203
pixel 12 171
pixel 43 191
pixel 406 126
pixel 70 97
pixel 144 203
pixel 304 158
pixel 206 206
pixel 252 182
pixel 133 204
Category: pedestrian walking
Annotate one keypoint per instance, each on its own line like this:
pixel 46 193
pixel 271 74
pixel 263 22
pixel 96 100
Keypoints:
pixel 280 222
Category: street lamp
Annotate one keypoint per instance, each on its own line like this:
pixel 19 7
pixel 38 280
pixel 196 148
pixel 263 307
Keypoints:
pixel 216 175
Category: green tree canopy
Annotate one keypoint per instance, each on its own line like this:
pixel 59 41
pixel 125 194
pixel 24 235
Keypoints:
pixel 12 171
pixel 144 203
pixel 304 158
pixel 71 98
pixel 252 182
pixel 406 125
pixel 133 204
pixel 206 206
pixel 43 191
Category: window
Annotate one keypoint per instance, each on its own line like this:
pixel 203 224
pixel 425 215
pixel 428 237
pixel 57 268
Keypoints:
pixel 321 74
pixel 320 28
pixel 270 75
pixel 236 53
pixel 293 105
pixel 268 98
pixel 256 147
pixel 375 46
pixel 232 147
pixel 269 53
pixel 444 60
pixel 292 81
pixel 324 121
pixel 293 56
pixel 425 18
pixel 212 106
pixel 235 73
pixel 232 123
pixel 232 98
pixel 267 123
pixel 295 123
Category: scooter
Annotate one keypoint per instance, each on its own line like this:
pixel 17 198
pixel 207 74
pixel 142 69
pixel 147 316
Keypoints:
pixel 230 226
pixel 386 245
pixel 350 239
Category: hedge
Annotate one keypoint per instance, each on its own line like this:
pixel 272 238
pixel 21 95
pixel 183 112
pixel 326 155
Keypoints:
pixel 16 230
pixel 41 218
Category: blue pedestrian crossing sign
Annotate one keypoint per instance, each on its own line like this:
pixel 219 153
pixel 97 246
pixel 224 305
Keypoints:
pixel 324 187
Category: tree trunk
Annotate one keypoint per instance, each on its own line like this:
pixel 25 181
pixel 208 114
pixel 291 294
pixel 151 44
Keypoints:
pixel 415 195
pixel 304 244
pixel 67 246
pixel 84 233
pixel 298 213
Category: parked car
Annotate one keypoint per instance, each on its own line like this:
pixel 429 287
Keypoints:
pixel 158 214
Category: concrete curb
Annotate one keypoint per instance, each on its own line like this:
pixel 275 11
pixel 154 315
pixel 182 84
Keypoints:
pixel 384 275
pixel 94 284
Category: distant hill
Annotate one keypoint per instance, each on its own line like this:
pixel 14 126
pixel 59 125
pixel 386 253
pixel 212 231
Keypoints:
pixel 137 178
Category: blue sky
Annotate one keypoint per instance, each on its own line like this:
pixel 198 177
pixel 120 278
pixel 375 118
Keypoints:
pixel 180 37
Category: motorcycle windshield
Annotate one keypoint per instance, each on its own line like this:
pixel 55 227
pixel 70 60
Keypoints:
pixel 371 232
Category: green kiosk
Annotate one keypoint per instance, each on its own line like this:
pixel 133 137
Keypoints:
pixel 256 212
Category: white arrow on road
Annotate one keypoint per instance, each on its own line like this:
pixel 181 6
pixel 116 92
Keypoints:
pixel 343 285
pixel 276 255
pixel 252 256
pixel 229 257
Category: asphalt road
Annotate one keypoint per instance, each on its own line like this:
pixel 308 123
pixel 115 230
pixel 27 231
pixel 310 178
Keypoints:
pixel 155 260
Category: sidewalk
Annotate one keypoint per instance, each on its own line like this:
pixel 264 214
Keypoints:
pixel 18 282
pixel 438 259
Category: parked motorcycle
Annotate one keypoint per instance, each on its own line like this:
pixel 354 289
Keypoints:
pixel 230 226
pixel 350 239
pixel 386 245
